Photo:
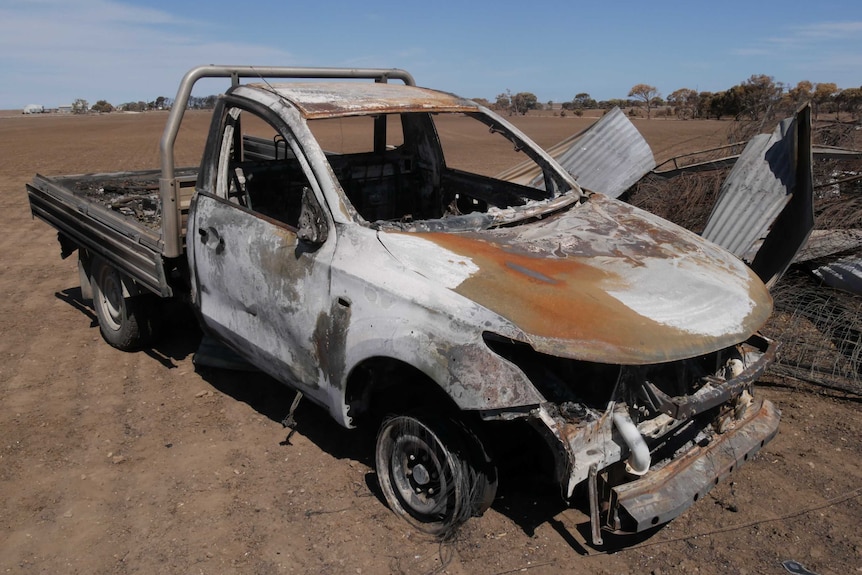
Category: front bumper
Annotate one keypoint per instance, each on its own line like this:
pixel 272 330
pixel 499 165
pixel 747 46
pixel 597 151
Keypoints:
pixel 662 494
pixel 675 458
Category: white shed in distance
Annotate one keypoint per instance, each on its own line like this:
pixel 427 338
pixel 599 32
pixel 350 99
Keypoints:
pixel 34 109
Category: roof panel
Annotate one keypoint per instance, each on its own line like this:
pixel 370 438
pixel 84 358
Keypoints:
pixel 337 99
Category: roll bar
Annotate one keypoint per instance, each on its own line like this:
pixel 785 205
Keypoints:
pixel 171 221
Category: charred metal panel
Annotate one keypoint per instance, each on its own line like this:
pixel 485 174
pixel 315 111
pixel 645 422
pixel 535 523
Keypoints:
pixel 715 391
pixel 773 175
pixel 340 99
pixel 608 157
pixel 790 231
pixel 263 291
pixel 844 273
pixel 397 313
pixel 601 281
pixel 579 442
pixel 709 433
pixel 130 246
pixel 835 153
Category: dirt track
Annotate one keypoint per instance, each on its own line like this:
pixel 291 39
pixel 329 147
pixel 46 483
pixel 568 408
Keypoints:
pixel 115 462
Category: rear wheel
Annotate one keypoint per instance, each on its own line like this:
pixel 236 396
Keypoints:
pixel 430 474
pixel 126 323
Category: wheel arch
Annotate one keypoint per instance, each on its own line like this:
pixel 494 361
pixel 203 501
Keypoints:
pixel 90 264
pixel 382 385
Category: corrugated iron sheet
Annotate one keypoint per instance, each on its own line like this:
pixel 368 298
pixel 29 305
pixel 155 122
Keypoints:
pixel 844 274
pixel 768 197
pixel 608 157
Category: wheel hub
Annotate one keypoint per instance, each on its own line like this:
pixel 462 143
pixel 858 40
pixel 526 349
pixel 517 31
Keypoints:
pixel 421 475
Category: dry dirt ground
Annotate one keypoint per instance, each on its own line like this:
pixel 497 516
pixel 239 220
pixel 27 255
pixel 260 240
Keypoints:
pixel 115 462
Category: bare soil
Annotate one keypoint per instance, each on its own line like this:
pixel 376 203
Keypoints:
pixel 114 462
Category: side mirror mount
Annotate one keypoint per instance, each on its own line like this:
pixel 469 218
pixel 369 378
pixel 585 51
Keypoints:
pixel 312 221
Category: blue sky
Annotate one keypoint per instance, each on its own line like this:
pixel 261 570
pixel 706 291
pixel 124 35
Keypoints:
pixel 53 51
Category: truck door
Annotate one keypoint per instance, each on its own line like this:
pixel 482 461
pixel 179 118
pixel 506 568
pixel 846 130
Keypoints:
pixel 260 283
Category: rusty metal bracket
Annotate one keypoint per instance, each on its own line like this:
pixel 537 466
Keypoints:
pixel 684 407
pixel 595 509
pixel 289 421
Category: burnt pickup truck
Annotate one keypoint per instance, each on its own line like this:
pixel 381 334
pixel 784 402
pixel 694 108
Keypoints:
pixel 337 237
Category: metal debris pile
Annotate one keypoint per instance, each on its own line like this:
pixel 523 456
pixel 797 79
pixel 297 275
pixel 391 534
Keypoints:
pixel 134 198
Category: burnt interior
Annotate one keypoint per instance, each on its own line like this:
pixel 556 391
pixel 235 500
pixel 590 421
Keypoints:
pixel 411 181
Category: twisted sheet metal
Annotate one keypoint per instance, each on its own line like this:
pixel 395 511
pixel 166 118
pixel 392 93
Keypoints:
pixel 768 198
pixel 608 157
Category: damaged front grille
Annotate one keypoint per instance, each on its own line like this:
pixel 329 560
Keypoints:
pixel 679 389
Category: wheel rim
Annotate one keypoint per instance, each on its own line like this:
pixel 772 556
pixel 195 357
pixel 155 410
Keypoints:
pixel 111 300
pixel 420 477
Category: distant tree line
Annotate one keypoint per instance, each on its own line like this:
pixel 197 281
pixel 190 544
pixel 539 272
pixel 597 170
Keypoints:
pixel 81 106
pixel 759 98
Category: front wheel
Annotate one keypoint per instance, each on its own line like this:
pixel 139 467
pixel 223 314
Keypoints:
pixel 429 475
pixel 126 323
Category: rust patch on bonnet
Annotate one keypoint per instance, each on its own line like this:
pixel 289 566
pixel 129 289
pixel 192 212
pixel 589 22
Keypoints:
pixel 608 283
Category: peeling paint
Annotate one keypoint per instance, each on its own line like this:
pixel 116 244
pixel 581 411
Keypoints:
pixel 440 265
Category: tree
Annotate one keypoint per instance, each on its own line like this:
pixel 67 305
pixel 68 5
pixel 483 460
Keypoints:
pixel 725 103
pixel 616 102
pixel 583 101
pixel 801 93
pixel 139 106
pixel 102 106
pixel 823 94
pixel 523 102
pixel 849 100
pixel 684 102
pixel 758 97
pixel 503 101
pixel 646 93
pixel 704 102
pixel 80 106
pixel 202 102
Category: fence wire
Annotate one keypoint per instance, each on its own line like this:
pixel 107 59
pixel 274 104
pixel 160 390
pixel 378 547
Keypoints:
pixel 820 331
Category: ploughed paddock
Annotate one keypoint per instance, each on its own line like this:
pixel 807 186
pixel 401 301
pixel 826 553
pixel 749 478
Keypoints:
pixel 387 283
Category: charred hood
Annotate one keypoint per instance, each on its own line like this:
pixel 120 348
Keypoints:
pixel 602 281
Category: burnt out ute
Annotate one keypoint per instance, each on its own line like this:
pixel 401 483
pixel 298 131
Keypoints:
pixel 338 237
